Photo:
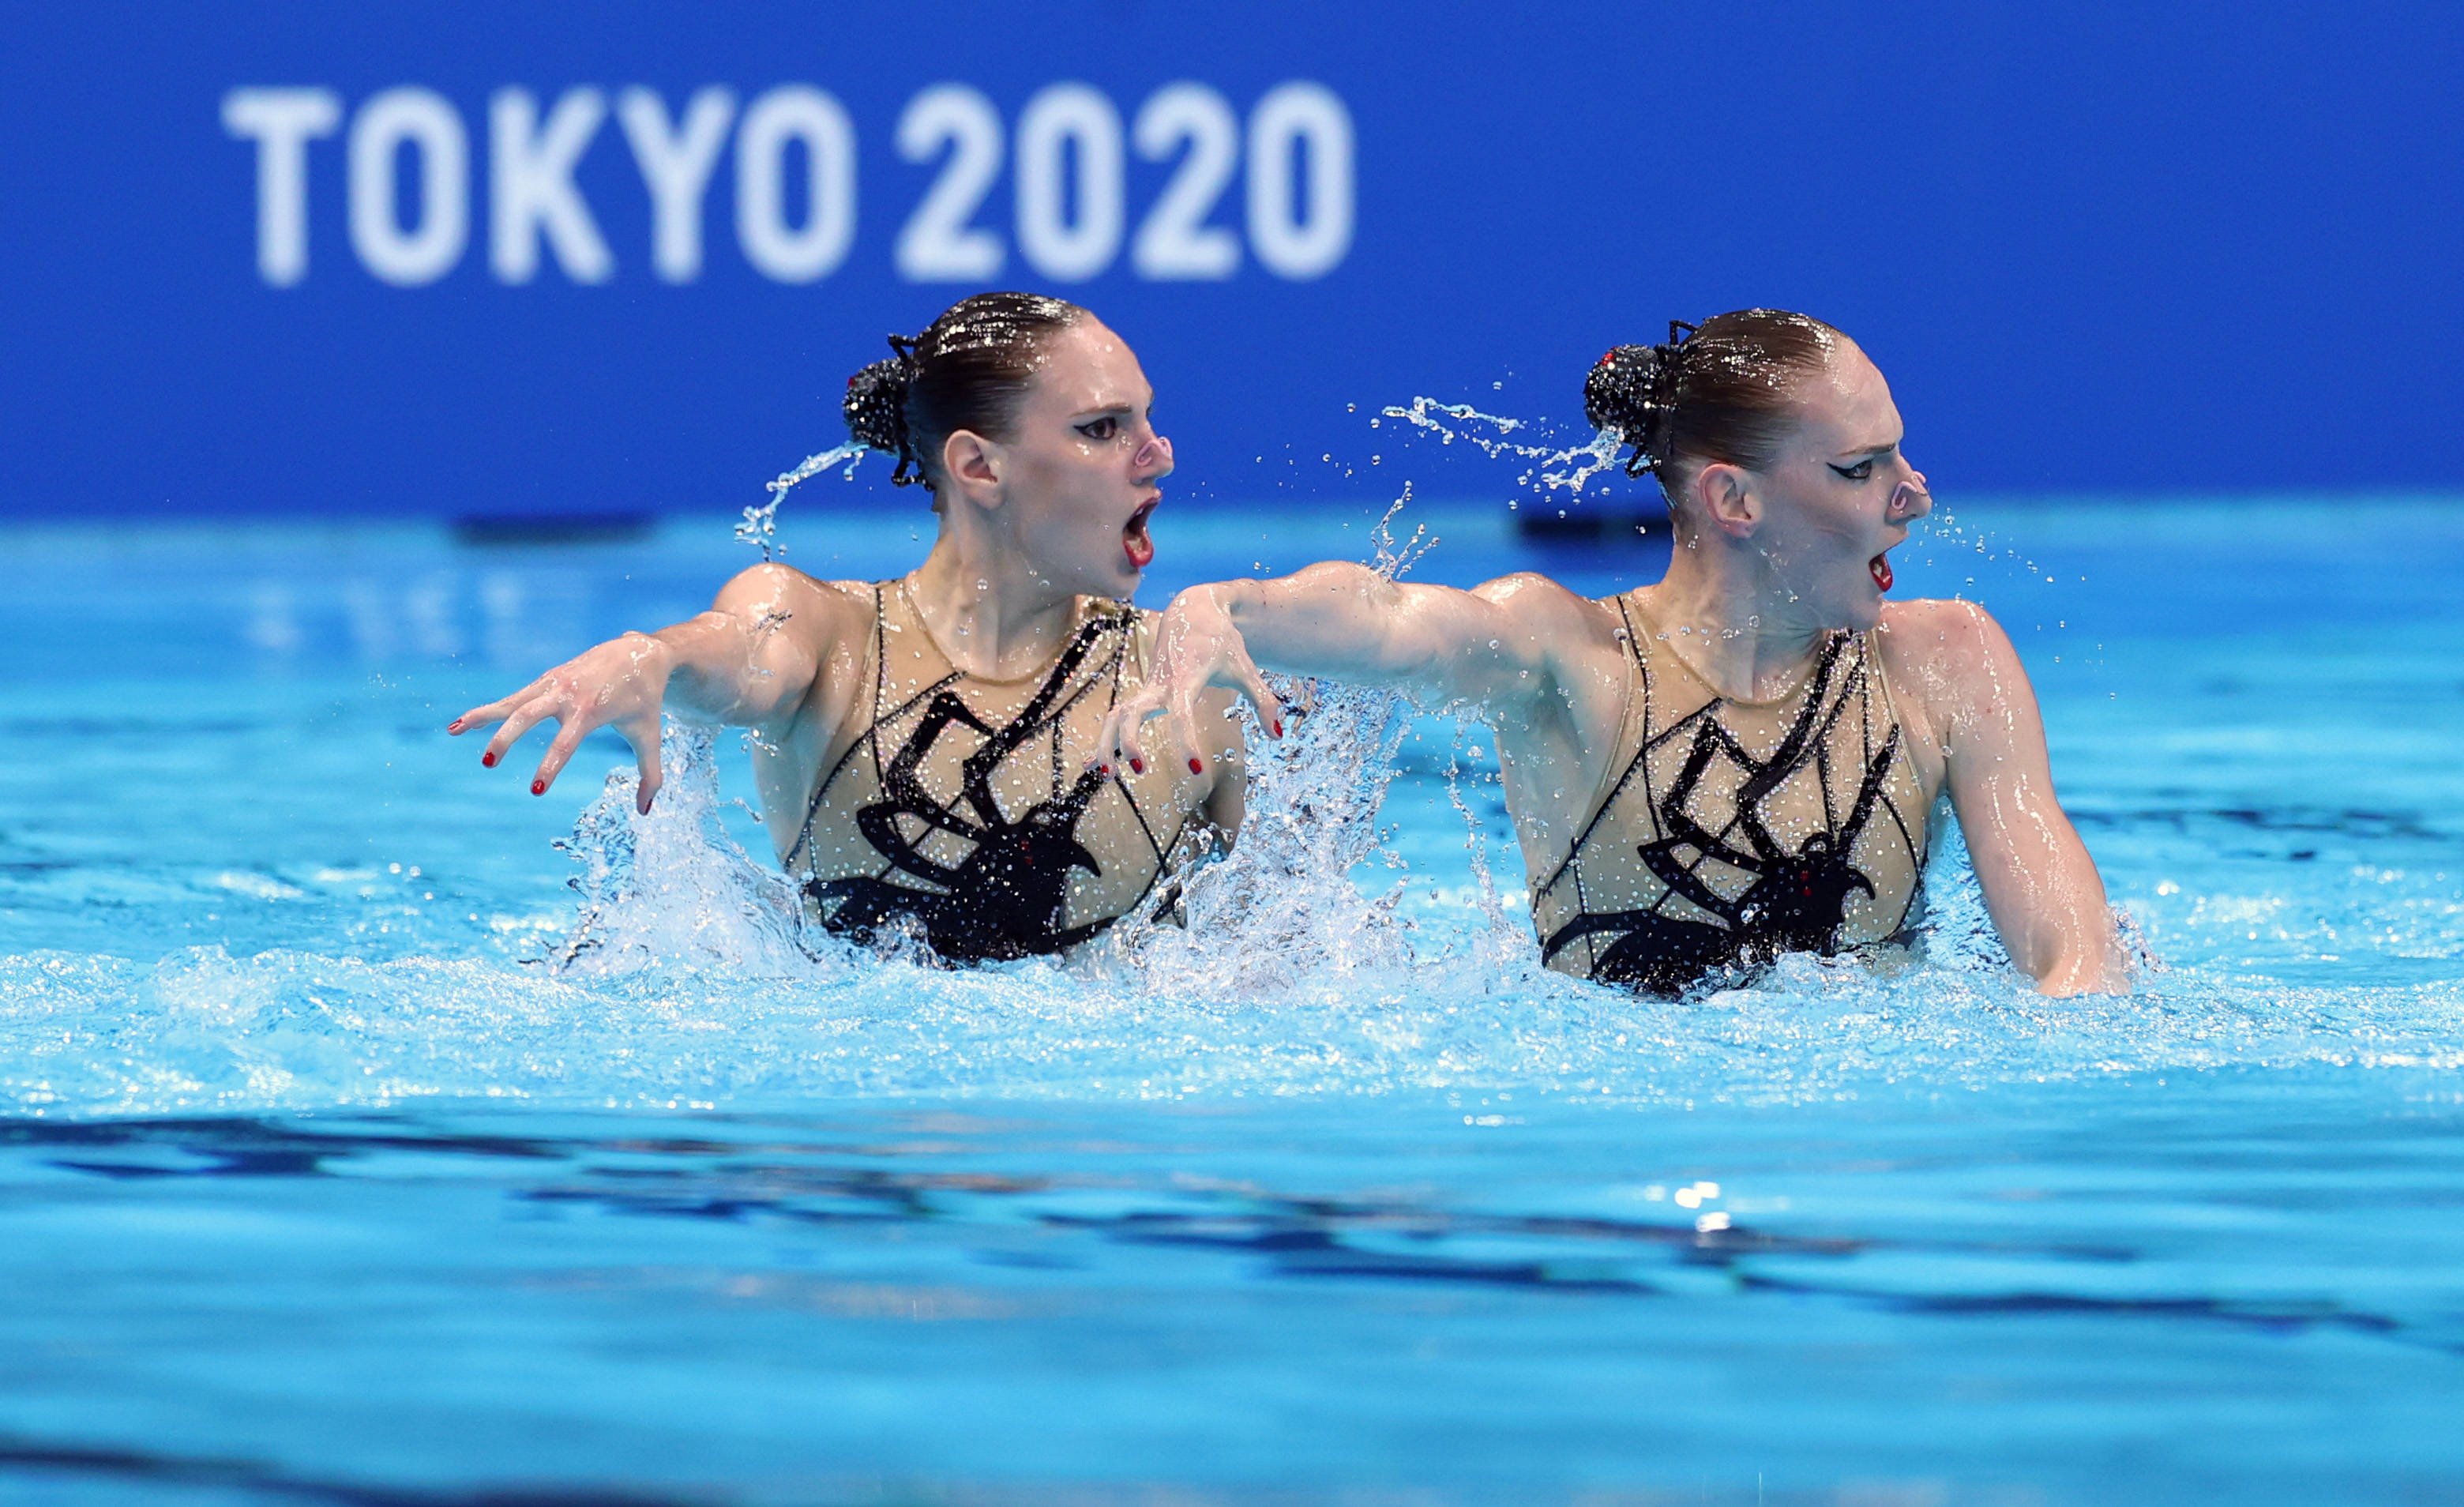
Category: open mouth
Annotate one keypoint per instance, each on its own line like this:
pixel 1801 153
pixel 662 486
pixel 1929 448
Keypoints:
pixel 1135 541
pixel 1881 566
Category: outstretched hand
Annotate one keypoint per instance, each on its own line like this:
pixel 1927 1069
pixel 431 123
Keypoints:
pixel 619 684
pixel 1197 646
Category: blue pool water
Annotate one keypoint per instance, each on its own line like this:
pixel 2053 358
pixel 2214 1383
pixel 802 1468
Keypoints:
pixel 320 1182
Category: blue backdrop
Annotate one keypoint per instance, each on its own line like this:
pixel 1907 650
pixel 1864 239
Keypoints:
pixel 395 258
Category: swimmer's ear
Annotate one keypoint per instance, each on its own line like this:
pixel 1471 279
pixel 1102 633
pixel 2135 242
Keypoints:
pixel 1728 498
pixel 972 466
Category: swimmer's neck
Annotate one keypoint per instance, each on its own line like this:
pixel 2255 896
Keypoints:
pixel 987 604
pixel 1730 618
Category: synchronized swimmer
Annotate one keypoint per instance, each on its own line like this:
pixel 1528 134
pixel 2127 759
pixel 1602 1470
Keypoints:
pixel 924 746
pixel 1740 761
pixel 1744 760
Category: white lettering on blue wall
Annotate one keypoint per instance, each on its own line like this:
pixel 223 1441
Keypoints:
pixel 1174 242
pixel 282 122
pixel 530 186
pixel 408 186
pixel 676 163
pixel 938 244
pixel 1064 125
pixel 805 115
pixel 1300 122
pixel 418 123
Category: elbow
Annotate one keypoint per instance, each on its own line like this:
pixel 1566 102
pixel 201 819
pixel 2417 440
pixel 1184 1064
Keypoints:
pixel 2090 963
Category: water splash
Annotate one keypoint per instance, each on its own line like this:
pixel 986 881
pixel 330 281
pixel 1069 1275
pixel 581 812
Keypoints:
pixel 695 992
pixel 1285 893
pixel 685 974
pixel 1575 465
pixel 1570 469
pixel 1943 529
pixel 761 524
pixel 673 890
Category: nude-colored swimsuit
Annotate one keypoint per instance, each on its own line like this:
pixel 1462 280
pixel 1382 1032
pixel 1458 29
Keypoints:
pixel 966 810
pixel 1738 830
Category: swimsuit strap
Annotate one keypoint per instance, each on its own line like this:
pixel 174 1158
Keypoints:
pixel 880 653
pixel 1641 670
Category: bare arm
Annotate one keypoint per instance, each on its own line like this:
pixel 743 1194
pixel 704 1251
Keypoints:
pixel 1349 622
pixel 750 660
pixel 1345 622
pixel 2041 886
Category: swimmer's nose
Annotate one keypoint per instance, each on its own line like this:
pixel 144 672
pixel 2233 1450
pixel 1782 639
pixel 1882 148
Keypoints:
pixel 1910 500
pixel 1156 453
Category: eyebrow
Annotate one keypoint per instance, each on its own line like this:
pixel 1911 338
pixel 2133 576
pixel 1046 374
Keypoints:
pixel 1874 450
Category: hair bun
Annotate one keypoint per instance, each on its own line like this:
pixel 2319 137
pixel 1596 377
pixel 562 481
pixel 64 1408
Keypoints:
pixel 877 409
pixel 1632 393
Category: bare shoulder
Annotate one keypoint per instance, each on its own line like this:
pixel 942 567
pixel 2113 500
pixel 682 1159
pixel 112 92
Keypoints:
pixel 1527 592
pixel 773 580
pixel 1955 661
pixel 1570 642
pixel 1546 609
pixel 811 608
pixel 1937 637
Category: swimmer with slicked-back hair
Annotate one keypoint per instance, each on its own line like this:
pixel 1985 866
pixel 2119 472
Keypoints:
pixel 1740 761
pixel 923 746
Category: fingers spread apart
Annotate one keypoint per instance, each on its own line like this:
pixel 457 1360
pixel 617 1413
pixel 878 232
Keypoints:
pixel 1119 743
pixel 493 711
pixel 529 715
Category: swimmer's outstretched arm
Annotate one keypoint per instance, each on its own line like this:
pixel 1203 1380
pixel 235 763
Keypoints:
pixel 1478 649
pixel 751 660
pixel 2041 886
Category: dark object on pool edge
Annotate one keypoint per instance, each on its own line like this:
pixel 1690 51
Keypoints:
pixel 1589 527
pixel 552 528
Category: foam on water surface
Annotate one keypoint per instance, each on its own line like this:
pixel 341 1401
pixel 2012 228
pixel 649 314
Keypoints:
pixel 684 972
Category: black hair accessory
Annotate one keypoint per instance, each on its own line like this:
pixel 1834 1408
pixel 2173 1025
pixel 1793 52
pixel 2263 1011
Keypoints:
pixel 875 408
pixel 1633 391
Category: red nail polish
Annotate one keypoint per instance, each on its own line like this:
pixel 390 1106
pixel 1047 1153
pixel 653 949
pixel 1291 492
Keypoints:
pixel 1137 766
pixel 487 761
pixel 1279 729
pixel 1195 768
pixel 538 786
pixel 454 726
pixel 1103 769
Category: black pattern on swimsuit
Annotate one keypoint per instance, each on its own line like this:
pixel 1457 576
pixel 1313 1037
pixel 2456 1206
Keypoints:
pixel 1798 901
pixel 1005 900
